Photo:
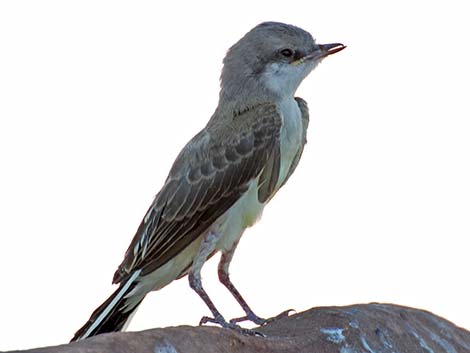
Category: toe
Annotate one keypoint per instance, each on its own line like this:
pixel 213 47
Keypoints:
pixel 253 318
pixel 280 316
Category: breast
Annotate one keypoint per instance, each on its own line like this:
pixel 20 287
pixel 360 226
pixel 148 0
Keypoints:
pixel 291 135
pixel 247 210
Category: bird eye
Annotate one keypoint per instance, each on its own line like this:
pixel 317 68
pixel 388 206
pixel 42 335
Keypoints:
pixel 287 53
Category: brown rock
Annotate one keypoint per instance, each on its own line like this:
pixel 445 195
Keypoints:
pixel 368 328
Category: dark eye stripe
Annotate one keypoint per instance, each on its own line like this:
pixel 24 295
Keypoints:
pixel 298 54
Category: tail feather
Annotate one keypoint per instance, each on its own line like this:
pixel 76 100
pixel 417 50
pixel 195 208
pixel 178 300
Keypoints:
pixel 113 314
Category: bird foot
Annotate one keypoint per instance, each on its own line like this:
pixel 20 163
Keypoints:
pixel 249 317
pixel 230 325
pixel 259 321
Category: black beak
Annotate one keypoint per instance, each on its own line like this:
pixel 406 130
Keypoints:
pixel 328 49
pixel 324 50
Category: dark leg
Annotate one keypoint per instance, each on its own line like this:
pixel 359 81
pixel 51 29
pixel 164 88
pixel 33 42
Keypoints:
pixel 224 278
pixel 207 247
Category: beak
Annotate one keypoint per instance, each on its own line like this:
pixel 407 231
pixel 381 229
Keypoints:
pixel 322 51
pixel 328 49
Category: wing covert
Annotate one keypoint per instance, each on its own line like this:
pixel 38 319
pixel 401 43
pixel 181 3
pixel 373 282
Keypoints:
pixel 210 174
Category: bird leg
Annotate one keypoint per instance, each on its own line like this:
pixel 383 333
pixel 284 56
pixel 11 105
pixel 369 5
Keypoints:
pixel 205 249
pixel 224 278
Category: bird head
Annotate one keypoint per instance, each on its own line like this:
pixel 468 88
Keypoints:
pixel 271 60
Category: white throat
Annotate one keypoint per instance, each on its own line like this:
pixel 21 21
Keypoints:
pixel 283 79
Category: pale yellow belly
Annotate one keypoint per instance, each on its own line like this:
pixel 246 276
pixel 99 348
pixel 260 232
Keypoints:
pixel 243 214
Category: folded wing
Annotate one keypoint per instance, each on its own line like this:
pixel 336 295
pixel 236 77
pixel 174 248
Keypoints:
pixel 210 174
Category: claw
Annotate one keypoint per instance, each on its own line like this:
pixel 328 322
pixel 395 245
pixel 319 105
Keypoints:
pixel 282 315
pixel 206 319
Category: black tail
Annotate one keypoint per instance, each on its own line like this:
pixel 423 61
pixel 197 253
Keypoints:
pixel 113 314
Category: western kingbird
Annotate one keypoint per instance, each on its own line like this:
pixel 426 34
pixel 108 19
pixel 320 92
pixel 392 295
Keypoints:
pixel 223 178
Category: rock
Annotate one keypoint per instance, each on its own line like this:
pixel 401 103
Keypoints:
pixel 365 328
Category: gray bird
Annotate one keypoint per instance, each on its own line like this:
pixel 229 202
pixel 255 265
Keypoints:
pixel 222 179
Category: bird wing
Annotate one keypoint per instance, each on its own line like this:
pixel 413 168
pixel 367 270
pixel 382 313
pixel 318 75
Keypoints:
pixel 210 174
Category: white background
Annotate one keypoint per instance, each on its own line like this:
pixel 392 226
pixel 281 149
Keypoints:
pixel 98 97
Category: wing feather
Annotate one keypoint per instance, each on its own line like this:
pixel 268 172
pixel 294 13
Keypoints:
pixel 208 177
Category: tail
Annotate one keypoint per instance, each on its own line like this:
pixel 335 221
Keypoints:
pixel 114 313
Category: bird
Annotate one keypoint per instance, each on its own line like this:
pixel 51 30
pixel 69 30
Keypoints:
pixel 223 177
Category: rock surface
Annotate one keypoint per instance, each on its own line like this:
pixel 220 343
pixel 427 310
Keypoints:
pixel 368 328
